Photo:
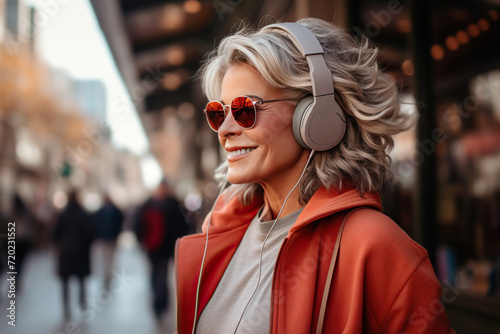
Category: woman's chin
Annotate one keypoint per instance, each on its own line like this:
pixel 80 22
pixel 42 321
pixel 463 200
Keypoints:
pixel 234 180
pixel 238 179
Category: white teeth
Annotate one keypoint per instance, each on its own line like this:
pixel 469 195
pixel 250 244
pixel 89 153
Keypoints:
pixel 239 152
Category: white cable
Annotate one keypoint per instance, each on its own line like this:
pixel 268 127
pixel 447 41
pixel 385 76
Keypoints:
pixel 264 243
pixel 203 259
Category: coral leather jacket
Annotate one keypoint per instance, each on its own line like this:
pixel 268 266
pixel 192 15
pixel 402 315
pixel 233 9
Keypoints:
pixel 383 281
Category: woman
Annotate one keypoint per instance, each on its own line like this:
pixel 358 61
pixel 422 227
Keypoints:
pixel 270 258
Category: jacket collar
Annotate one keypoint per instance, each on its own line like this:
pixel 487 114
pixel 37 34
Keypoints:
pixel 229 212
pixel 327 202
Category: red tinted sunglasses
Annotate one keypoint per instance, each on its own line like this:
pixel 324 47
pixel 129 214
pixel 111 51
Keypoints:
pixel 242 108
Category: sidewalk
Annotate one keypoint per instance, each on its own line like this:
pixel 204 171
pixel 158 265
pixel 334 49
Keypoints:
pixel 124 308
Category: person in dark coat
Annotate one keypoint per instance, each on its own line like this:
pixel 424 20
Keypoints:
pixel 73 234
pixel 160 221
pixel 3 242
pixel 24 232
pixel 108 221
pixel 18 226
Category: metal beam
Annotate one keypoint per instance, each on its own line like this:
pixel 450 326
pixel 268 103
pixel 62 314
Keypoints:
pixel 425 208
pixel 167 21
pixel 109 16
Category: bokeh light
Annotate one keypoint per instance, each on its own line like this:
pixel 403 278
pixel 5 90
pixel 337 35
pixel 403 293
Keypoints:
pixel 452 43
pixel 473 30
pixel 462 37
pixel 407 67
pixel 192 6
pixel 60 199
pixel 437 52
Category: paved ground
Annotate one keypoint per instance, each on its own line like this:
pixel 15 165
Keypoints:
pixel 124 308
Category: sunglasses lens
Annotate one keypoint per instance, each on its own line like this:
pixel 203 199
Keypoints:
pixel 243 111
pixel 215 114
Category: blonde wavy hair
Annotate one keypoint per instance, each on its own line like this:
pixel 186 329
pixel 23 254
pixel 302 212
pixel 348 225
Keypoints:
pixel 368 96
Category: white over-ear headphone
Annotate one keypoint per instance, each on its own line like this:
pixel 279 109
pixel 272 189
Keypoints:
pixel 319 123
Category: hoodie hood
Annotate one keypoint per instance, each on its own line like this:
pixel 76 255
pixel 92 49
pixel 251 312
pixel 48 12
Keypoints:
pixel 229 212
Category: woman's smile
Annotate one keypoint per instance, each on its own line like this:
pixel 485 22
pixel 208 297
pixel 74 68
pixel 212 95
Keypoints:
pixel 236 153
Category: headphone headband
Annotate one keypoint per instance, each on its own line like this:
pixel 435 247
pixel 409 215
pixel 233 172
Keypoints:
pixel 302 37
pixel 308 45
pixel 319 123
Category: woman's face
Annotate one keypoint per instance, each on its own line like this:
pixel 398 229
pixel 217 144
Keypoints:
pixel 267 153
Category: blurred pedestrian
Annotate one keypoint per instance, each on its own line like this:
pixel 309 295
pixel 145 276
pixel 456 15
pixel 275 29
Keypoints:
pixel 24 234
pixel 73 234
pixel 108 221
pixel 3 242
pixel 160 221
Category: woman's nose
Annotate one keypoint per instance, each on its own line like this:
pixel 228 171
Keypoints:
pixel 229 126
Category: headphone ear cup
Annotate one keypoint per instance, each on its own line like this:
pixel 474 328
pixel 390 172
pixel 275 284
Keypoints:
pixel 298 119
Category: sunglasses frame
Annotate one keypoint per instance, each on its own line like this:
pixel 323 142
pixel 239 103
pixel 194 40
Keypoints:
pixel 224 106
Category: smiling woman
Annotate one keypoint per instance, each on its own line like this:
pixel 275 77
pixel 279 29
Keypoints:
pixel 304 172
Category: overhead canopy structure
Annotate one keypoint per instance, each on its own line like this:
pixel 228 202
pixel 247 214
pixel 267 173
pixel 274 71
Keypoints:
pixel 159 46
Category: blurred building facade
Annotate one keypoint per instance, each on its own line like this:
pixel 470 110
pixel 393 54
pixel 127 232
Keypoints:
pixel 90 95
pixel 445 58
pixel 53 131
